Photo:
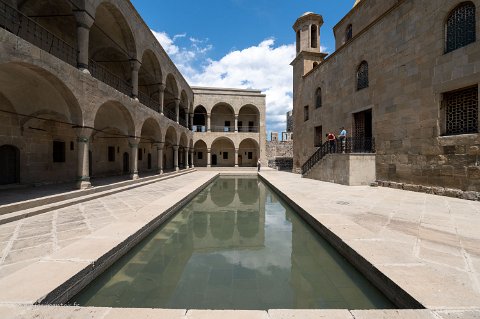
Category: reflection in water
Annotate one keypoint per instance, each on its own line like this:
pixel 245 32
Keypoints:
pixel 252 253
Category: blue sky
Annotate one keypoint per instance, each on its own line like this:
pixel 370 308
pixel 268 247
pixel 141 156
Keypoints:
pixel 239 43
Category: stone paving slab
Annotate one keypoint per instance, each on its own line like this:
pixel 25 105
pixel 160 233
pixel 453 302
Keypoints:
pixel 309 314
pixel 426 244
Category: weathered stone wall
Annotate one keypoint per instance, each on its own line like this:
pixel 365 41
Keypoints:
pixel 280 154
pixel 408 74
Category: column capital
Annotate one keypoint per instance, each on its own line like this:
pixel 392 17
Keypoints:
pixel 162 87
pixel 135 64
pixel 175 147
pixel 83 18
pixel 159 144
pixel 192 150
pixel 209 150
pixel 83 134
pixel 133 142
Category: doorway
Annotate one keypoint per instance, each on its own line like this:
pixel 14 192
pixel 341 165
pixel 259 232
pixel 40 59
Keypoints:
pixel 214 159
pixel 126 163
pixel 9 165
pixel 149 160
pixel 362 131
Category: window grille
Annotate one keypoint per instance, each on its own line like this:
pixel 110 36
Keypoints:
pixel 362 76
pixel 461 111
pixel 460 27
pixel 318 98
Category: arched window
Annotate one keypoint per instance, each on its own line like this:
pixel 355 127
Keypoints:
pixel 460 27
pixel 362 76
pixel 318 98
pixel 314 32
pixel 348 33
pixel 298 41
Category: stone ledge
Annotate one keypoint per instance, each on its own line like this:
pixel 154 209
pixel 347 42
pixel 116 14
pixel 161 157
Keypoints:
pixel 435 190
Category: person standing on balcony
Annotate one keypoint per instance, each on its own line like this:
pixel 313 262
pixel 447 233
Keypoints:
pixel 343 138
pixel 331 142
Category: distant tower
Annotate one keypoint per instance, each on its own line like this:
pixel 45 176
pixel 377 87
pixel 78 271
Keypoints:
pixel 289 121
pixel 307 29
pixel 274 137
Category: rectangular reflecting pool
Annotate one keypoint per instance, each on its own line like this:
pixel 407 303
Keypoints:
pixel 236 245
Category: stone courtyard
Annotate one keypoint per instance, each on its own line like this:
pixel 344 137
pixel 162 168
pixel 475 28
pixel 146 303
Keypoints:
pixel 425 244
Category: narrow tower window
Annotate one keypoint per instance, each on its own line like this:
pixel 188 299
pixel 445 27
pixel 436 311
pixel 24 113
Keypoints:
pixel 298 41
pixel 318 98
pixel 314 32
pixel 460 27
pixel 362 76
pixel 348 33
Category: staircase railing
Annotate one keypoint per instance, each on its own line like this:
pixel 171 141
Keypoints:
pixel 348 146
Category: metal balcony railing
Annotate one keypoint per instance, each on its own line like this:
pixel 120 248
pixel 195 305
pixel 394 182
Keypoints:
pixel 248 129
pixel 22 26
pixel 169 114
pixel 199 128
pixel 224 129
pixel 101 73
pixel 148 101
pixel 349 145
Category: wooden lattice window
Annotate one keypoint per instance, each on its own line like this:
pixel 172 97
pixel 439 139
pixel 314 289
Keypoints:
pixel 348 33
pixel 460 27
pixel 362 76
pixel 318 98
pixel 461 109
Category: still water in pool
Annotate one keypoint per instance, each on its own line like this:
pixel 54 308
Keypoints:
pixel 236 245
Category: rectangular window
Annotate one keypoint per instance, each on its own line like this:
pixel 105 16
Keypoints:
pixel 111 154
pixel 225 155
pixel 72 146
pixel 305 113
pixel 58 152
pixel 140 154
pixel 461 111
pixel 200 155
pixel 250 155
pixel 317 138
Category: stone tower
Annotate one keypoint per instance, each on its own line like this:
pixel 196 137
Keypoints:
pixel 307 29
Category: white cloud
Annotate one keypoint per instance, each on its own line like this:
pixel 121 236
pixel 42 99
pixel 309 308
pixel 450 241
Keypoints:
pixel 264 67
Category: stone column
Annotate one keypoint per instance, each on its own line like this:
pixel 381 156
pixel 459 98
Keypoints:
pixel 161 95
pixel 160 157
pixel 208 123
pixel 187 151
pixel 83 140
pixel 84 23
pixel 175 157
pixel 186 117
pixel 135 65
pixel 236 157
pixel 177 110
pixel 236 122
pixel 133 142
pixel 209 158
pixel 192 158
pixel 191 121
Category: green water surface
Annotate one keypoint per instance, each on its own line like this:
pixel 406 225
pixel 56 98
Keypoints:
pixel 236 245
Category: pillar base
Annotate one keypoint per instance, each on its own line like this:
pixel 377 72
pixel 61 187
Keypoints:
pixel 177 169
pixel 85 71
pixel 236 165
pixel 134 176
pixel 160 172
pixel 209 165
pixel 192 166
pixel 84 185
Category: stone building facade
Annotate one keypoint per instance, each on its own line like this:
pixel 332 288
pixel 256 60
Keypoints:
pixel 87 90
pixel 404 72
pixel 229 126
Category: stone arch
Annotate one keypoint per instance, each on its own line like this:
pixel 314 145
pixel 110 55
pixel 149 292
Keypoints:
pixel 170 96
pixel 222 118
pixel 171 141
pixel 110 146
pixel 150 135
pixel 200 153
pixel 199 119
pixel 248 153
pixel 222 192
pixel 223 152
pixel 149 80
pixel 249 119
pixel 38 110
pixel 112 48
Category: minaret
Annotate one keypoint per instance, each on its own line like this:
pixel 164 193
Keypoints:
pixel 307 29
